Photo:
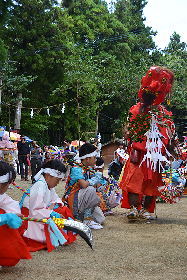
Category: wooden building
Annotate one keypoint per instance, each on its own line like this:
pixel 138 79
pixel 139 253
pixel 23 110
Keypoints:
pixel 108 150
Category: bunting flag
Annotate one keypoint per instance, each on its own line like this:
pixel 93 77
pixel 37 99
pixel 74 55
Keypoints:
pixel 48 111
pixel 19 108
pixel 63 109
pixel 32 113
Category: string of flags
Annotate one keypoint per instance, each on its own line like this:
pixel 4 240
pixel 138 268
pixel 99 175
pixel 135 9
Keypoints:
pixel 18 108
pixel 62 110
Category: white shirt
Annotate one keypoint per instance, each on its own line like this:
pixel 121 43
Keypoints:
pixel 40 198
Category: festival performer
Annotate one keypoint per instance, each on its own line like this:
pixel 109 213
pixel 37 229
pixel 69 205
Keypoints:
pixel 80 194
pixel 12 246
pixel 141 182
pixel 43 202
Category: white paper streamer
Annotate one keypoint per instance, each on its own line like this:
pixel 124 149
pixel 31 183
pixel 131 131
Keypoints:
pixel 154 146
pixel 63 109
pixel 48 111
pixel 32 113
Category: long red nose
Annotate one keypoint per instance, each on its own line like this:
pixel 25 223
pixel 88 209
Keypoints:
pixel 154 86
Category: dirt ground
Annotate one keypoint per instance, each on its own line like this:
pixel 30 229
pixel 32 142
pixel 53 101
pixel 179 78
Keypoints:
pixel 123 250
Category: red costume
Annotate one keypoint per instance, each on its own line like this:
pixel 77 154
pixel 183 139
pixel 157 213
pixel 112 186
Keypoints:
pixel 139 179
pixel 12 246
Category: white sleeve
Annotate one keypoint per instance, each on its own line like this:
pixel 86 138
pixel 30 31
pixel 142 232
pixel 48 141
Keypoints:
pixel 9 205
pixel 55 198
pixel 37 206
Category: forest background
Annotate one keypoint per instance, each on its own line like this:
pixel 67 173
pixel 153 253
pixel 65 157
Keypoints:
pixel 72 70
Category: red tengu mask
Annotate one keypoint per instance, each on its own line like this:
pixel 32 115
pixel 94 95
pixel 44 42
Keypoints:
pixel 156 83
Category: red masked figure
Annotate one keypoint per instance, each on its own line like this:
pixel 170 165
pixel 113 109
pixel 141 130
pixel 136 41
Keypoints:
pixel 139 183
pixel 157 82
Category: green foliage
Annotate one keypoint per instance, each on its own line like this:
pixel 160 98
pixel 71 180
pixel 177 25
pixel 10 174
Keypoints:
pixel 82 50
pixel 40 39
pixel 175 58
pixel 4 10
pixel 139 126
pixel 11 82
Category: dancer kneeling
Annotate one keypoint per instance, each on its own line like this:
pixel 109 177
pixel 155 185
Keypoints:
pixel 43 202
pixel 80 194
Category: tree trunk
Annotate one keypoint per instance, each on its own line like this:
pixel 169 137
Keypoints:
pixel 17 119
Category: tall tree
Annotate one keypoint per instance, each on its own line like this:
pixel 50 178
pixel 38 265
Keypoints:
pixel 90 19
pixel 119 49
pixel 4 16
pixel 39 38
pixel 175 58
pixel 130 44
pixel 4 10
pixel 12 88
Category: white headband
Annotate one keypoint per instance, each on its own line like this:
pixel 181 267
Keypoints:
pixel 93 154
pixel 5 178
pixel 100 166
pixel 52 172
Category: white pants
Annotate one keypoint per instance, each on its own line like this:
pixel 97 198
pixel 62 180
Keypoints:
pixel 98 215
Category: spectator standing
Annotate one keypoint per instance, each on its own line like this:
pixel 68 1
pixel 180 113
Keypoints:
pixel 69 146
pixel 23 153
pixel 35 159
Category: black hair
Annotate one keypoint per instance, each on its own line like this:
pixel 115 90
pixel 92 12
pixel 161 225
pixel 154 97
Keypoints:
pixel 7 168
pixel 148 99
pixel 99 161
pixel 53 164
pixel 86 148
pixel 46 153
pixel 68 141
